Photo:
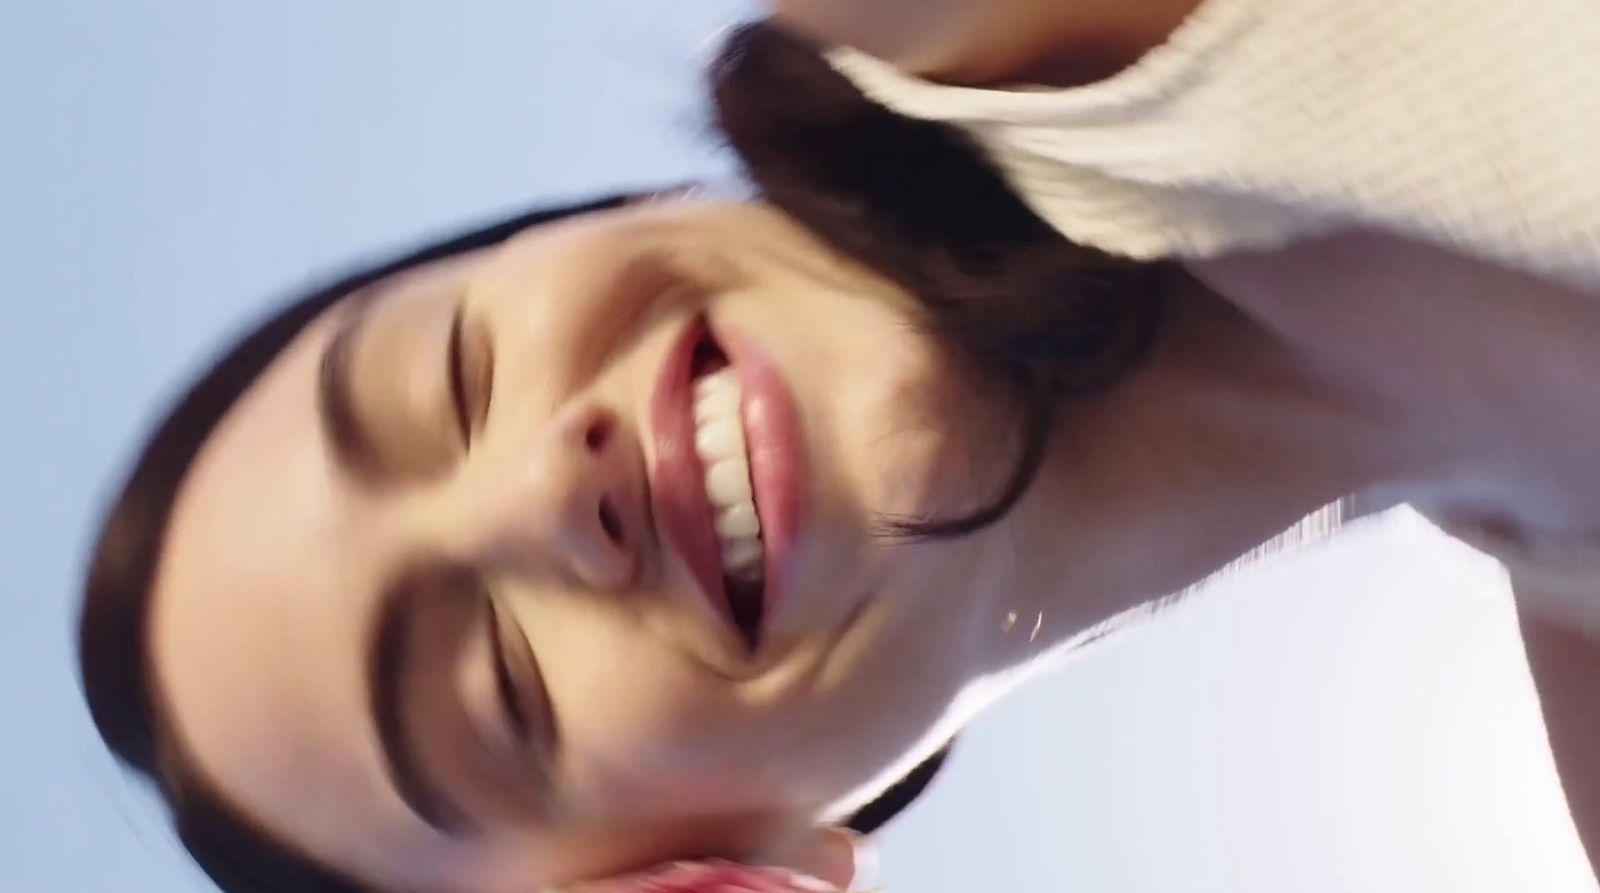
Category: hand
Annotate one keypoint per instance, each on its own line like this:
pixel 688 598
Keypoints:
pixel 712 877
pixel 982 42
pixel 822 860
pixel 916 35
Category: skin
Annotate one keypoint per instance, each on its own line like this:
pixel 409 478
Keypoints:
pixel 1565 663
pixel 1347 306
pixel 1495 358
pixel 981 42
pixel 1230 431
pixel 278 558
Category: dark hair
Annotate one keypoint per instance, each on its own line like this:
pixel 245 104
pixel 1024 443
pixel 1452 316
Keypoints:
pixel 919 202
pixel 913 200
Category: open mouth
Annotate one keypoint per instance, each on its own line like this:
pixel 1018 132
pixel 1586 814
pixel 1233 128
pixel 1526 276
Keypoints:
pixel 726 473
pixel 721 444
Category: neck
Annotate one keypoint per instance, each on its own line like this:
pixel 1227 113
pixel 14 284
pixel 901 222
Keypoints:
pixel 1218 442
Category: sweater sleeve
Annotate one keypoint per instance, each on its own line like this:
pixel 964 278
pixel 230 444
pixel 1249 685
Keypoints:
pixel 1471 124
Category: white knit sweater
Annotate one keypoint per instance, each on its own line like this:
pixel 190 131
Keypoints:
pixel 1472 124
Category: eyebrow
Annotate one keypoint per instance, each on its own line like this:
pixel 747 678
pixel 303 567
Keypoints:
pixel 342 429
pixel 386 664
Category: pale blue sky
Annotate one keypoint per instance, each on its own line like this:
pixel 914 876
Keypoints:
pixel 1355 718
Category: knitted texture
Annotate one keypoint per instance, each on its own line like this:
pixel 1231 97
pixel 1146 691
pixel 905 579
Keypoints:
pixel 1471 124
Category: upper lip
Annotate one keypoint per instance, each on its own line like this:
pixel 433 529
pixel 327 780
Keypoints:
pixel 677 477
pixel 677 480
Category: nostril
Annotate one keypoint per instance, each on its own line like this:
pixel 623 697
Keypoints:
pixel 598 434
pixel 610 521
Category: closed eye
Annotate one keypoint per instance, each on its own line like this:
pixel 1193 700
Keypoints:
pixel 504 685
pixel 527 708
pixel 456 362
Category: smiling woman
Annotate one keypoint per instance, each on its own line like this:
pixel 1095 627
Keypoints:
pixel 488 569
pixel 661 527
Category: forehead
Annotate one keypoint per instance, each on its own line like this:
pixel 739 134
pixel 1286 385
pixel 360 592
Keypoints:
pixel 247 576
pixel 261 609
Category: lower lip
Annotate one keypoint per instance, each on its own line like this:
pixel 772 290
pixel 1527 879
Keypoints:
pixel 772 437
pixel 677 475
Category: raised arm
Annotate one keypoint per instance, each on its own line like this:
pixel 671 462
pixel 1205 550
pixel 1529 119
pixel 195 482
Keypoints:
pixel 1566 672
pixel 1059 42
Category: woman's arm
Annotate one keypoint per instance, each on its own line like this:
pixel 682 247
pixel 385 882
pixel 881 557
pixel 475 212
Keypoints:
pixel 980 42
pixel 1566 672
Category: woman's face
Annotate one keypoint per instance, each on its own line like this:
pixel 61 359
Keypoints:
pixel 466 591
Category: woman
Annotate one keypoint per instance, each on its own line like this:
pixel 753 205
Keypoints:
pixel 520 652
pixel 421 586
pixel 1402 194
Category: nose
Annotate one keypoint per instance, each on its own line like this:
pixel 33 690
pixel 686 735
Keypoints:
pixel 570 502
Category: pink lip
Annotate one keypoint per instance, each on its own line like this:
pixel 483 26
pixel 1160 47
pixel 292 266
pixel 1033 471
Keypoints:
pixel 772 437
pixel 677 477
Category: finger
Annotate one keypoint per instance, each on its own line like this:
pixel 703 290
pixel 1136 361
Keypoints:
pixel 711 877
pixel 836 856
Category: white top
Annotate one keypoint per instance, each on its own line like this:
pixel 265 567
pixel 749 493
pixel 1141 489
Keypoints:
pixel 1472 124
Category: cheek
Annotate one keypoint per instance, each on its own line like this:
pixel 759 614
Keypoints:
pixel 649 735
pixel 904 427
pixel 877 394
pixel 567 305
pixel 640 721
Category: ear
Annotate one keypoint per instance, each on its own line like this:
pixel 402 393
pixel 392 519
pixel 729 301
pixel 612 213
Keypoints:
pixel 837 856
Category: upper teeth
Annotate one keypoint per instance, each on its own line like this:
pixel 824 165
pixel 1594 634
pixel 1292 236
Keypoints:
pixel 719 439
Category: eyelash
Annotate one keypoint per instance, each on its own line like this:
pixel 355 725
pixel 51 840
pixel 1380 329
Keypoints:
pixel 534 732
pixel 455 359
pixel 502 671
